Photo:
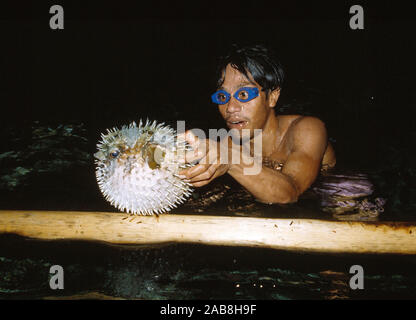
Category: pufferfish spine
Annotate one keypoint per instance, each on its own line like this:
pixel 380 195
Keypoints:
pixel 137 168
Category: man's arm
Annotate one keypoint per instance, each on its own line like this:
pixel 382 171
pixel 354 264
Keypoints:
pixel 307 140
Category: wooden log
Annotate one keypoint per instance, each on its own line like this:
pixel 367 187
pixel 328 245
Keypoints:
pixel 285 234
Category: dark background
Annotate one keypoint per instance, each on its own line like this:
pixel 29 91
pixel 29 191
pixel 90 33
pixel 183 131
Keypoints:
pixel 116 62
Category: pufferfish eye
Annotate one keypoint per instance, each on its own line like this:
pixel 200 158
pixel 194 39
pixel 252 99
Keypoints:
pixel 115 153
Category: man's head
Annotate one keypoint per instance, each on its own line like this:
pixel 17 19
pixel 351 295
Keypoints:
pixel 248 67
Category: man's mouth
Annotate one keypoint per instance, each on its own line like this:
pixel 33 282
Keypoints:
pixel 236 123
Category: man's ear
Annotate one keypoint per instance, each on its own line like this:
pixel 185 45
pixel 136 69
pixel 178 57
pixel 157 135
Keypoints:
pixel 273 97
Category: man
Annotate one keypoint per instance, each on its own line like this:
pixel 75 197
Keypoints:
pixel 294 147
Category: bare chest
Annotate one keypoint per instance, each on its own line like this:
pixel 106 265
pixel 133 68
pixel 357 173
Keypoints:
pixel 278 155
pixel 277 158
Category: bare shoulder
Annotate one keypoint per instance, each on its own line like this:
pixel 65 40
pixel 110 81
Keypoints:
pixel 298 121
pixel 304 122
pixel 304 126
pixel 308 134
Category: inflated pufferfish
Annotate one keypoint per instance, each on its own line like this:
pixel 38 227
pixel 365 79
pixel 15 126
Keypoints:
pixel 137 168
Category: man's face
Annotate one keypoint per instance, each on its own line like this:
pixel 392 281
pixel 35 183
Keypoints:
pixel 239 115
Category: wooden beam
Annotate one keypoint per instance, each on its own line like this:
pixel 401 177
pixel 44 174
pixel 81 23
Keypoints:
pixel 285 234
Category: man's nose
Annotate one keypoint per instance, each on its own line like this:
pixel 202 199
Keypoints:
pixel 233 105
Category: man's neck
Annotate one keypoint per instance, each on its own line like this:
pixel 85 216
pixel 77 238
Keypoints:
pixel 270 134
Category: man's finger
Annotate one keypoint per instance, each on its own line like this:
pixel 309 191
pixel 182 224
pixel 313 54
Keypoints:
pixel 193 155
pixel 206 175
pixel 189 137
pixel 194 171
pixel 201 183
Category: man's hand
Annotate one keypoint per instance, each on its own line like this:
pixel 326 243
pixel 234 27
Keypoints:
pixel 208 155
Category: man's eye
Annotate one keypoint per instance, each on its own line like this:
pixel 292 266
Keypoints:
pixel 222 97
pixel 243 95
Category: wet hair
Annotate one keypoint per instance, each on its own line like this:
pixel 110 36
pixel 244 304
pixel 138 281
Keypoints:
pixel 257 60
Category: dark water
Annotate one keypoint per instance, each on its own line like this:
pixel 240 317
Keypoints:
pixel 111 66
pixel 197 272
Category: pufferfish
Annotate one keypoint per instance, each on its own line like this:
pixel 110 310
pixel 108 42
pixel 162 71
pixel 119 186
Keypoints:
pixel 137 168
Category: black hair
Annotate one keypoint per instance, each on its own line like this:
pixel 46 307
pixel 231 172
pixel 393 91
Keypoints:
pixel 257 60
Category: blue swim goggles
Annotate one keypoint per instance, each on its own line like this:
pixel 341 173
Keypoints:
pixel 243 94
